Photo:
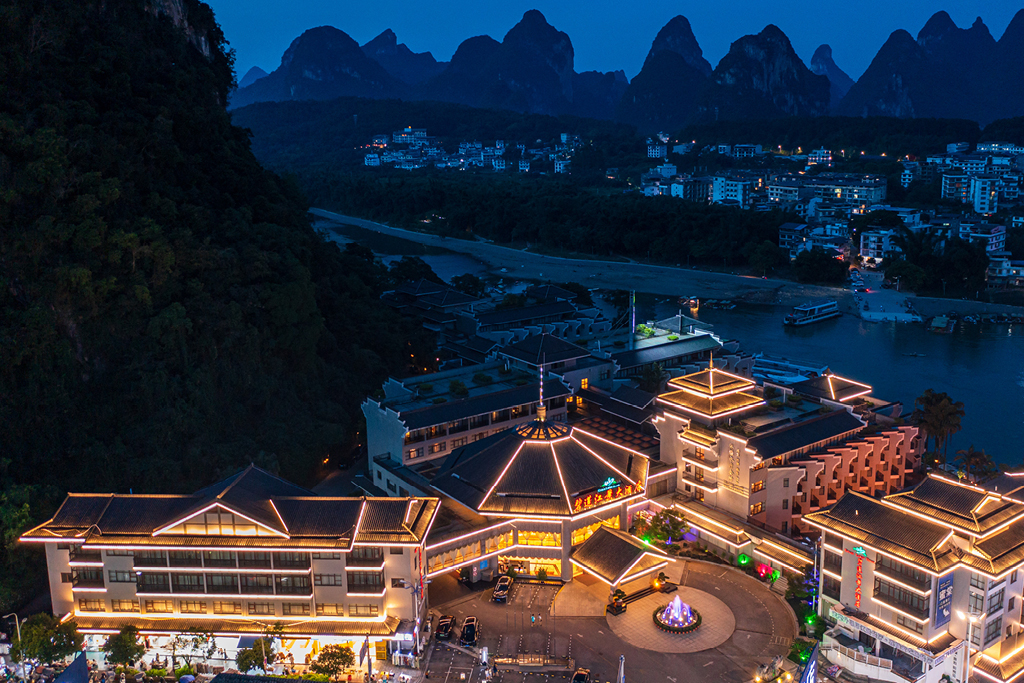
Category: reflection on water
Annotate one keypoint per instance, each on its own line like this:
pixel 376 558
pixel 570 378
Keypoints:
pixel 981 365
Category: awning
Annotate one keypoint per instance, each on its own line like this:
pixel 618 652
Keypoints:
pixel 612 555
pixel 245 642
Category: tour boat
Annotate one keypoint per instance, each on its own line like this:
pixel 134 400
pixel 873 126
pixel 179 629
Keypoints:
pixel 812 312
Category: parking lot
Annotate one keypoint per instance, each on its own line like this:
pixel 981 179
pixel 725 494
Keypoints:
pixel 764 627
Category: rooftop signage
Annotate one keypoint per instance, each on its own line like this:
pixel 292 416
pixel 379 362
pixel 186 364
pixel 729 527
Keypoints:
pixel 609 492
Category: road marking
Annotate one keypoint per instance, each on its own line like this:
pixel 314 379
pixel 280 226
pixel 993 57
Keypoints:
pixel 672 679
pixel 709 663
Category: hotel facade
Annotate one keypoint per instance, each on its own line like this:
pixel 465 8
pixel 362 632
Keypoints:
pixel 236 557
pixel 925 585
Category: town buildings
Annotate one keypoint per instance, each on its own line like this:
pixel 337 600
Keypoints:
pixel 233 557
pixel 927 582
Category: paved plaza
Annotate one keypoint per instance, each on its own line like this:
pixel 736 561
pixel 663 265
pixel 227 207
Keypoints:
pixel 743 625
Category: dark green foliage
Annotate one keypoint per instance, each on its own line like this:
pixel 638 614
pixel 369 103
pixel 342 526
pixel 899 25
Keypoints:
pixel 560 215
pixel 482 379
pixel 469 284
pixel 45 639
pixel 766 257
pixel 167 314
pixel 583 296
pixel 254 657
pixel 818 265
pixel 124 647
pixel 411 269
pixel 651 378
pixel 457 388
pixel 332 660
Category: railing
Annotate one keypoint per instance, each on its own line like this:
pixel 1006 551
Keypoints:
pixel 364 561
pixel 143 561
pixel 79 582
pixel 79 555
pixel 856 656
pixel 303 563
pixel 141 587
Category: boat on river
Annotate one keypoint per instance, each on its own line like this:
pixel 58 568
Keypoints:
pixel 812 312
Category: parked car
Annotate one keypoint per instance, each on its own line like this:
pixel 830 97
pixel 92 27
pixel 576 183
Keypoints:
pixel 581 676
pixel 470 632
pixel 501 589
pixel 445 626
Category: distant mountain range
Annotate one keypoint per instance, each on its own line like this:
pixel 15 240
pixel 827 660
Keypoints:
pixel 946 72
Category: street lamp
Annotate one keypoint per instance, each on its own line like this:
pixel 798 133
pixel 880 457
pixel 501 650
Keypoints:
pixel 17 627
pixel 972 619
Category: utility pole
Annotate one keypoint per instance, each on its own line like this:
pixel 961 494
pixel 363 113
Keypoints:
pixel 17 627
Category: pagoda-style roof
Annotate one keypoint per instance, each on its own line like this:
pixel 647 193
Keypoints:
pixel 279 515
pixel 832 387
pixel 616 557
pixel 542 468
pixel 711 393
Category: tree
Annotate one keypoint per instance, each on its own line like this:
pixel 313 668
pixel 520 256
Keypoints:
pixel 665 528
pixel 583 297
pixel 511 301
pixel 46 639
pixel 911 277
pixel 939 416
pixel 194 643
pixel 979 461
pixel 469 284
pixel 411 269
pixel 818 265
pixel 765 257
pixel 332 660
pixel 651 377
pixel 124 647
pixel 260 656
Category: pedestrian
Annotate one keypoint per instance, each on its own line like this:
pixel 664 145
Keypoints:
pixel 533 618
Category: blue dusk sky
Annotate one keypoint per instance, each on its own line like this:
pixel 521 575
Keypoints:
pixel 605 35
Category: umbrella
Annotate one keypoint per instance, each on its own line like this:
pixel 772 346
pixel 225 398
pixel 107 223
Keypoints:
pixel 187 678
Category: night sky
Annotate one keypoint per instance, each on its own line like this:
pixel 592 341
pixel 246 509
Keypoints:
pixel 605 35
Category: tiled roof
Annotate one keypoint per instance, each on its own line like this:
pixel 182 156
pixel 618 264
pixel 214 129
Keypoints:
pixel 621 434
pixel 610 553
pixel 507 316
pixel 831 387
pixel 522 471
pixel 301 518
pixel 549 292
pixel 484 403
pixel 804 434
pixel 964 507
pixel 710 407
pixel 665 352
pixel 711 382
pixel 543 348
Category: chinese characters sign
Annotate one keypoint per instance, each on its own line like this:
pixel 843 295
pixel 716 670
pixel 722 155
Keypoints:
pixel 861 555
pixel 604 496
pixel 944 601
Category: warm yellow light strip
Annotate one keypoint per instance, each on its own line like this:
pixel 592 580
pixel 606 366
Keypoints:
pixel 730 435
pixel 601 438
pixel 627 579
pixel 220 503
pixel 279 517
pixel 620 472
pixel 890 579
pixel 508 465
pixel 659 475
pixel 901 630
pixel 359 521
pixel 698 463
pixel 899 611
pixel 468 535
pixel 709 519
pixel 775 559
pixel 835 576
pixel 591 572
pixel 225 596
pixel 786 550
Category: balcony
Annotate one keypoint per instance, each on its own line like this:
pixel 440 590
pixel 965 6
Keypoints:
pixel 152 587
pixel 899 605
pixel 222 589
pixel 254 561
pixel 216 559
pixel 286 589
pixel 79 555
pixel 257 588
pixel 303 562
pixel 88 581
pixel 185 559
pixel 157 559
pixel 371 562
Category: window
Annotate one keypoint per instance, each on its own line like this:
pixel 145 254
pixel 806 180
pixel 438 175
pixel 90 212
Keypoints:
pixel 396 550
pixel 378 474
pixel 992 629
pixel 254 560
pixel 830 587
pixel 1013 600
pixel 976 602
pixel 193 607
pixel 222 583
pixel 1013 576
pixel 909 624
pixel 757 486
pixel 227 607
pixel 363 610
pixel 833 561
pixel 995 601
pixel 757 508
pixel 785 503
pixel 459 443
pixel 785 527
pixel 124 605
pixel 413 453
pixel 150 558
pixel 219 558
pixel 257 584
pixel 365 582
pixel 977 581
pixel 187 583
pixel 398 583
pixel 901 598
pixel 585 383
pixel 261 608
pixel 159 606
pixel 785 483
pixel 292 585
pixel 291 561
pixel 185 558
pixel 121 577
pixel 366 556
pixel 392 487
pixel 326 556
pixel 295 608
pixel 975 634
pixel 119 553
pixel 65 577
pixel 329 610
pixel 477 437
pixel 153 583
pixel 902 572
pixel 91 606
pixel 328 580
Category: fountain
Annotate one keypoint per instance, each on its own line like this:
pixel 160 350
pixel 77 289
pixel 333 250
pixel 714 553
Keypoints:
pixel 677 617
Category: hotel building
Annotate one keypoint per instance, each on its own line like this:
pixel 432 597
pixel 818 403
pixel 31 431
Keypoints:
pixel 747 471
pixel 247 552
pixel 925 585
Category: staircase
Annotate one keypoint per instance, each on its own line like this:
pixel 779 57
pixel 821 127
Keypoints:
pixel 781 585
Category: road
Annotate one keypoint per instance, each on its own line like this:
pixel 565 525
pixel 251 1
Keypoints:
pixel 658 280
pixel 882 304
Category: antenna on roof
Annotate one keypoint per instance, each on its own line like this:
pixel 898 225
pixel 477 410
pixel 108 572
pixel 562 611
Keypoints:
pixel 542 411
pixel 711 370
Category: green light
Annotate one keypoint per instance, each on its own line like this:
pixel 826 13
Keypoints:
pixel 860 551
pixel 775 575
pixel 804 656
pixel 810 619
pixel 743 559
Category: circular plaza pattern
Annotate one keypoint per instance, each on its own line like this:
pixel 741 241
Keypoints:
pixel 637 628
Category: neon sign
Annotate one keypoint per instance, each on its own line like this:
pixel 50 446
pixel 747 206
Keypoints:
pixel 861 555
pixel 605 495
pixel 609 483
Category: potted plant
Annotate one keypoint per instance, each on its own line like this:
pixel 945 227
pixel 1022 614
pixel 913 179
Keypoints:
pixel 617 606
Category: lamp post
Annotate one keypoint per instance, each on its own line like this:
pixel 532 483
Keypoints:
pixel 972 619
pixel 17 628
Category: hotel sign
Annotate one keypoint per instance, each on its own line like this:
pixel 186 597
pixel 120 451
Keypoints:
pixel 608 492
pixel 944 600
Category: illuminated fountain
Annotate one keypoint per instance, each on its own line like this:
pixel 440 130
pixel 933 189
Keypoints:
pixel 677 617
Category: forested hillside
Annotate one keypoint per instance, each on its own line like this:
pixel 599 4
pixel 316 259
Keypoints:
pixel 167 314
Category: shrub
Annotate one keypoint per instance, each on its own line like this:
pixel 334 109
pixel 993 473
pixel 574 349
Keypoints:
pixel 542 574
pixel 775 403
pixel 157 673
pixel 483 379
pixel 426 388
pixel 185 670
pixel 457 388
pixel 440 399
pixel 673 337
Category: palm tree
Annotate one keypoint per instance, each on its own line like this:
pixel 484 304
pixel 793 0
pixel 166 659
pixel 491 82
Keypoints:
pixel 939 416
pixel 980 461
